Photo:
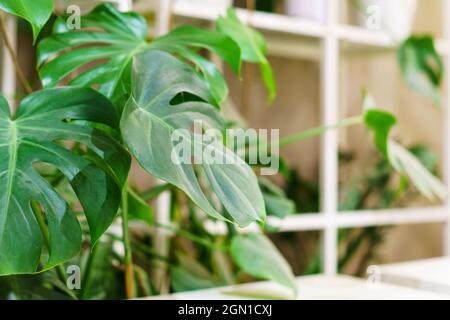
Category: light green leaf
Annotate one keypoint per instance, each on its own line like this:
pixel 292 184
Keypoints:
pixel 404 162
pixel 184 280
pixel 381 123
pixel 148 125
pixel 34 135
pixel 422 67
pixel 190 275
pixel 252 44
pixel 36 12
pixel 407 164
pixel 256 255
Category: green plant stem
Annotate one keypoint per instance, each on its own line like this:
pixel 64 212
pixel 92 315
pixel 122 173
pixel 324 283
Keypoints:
pixel 14 59
pixel 142 247
pixel 129 273
pixel 320 130
pixel 86 282
pixel 44 230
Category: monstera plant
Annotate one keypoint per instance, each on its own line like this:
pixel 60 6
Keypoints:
pixel 112 93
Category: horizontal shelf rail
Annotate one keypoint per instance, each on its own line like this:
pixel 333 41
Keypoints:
pixel 351 219
pixel 300 27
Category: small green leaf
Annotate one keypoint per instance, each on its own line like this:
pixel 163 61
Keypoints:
pixel 422 67
pixel 276 201
pixel 403 161
pixel 256 255
pixel 252 45
pixel 381 123
pixel 36 12
pixel 184 280
pixel 138 208
pixel 190 275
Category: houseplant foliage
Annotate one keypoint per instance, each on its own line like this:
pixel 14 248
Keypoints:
pixel 31 136
pixel 145 89
pixel 121 39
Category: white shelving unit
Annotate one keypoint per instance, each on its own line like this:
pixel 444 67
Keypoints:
pixel 294 37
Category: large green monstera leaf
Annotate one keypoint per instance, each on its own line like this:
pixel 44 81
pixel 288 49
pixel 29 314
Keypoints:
pixel 114 38
pixel 152 125
pixel 36 134
pixel 106 35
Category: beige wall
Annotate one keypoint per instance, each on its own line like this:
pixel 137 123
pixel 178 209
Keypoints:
pixel 297 108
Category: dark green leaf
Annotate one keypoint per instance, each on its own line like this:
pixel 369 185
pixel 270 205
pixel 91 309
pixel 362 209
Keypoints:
pixel 107 36
pixel 32 136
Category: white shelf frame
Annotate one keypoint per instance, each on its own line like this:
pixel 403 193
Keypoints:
pixel 330 36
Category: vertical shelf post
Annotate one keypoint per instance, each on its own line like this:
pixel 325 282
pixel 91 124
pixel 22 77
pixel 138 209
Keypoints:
pixel 329 142
pixel 446 125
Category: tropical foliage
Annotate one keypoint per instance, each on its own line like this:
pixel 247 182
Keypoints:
pixel 112 93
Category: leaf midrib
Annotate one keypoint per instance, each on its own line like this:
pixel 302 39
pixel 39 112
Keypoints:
pixel 11 170
pixel 171 129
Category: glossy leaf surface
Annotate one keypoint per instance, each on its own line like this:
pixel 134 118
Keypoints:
pixel 150 122
pixel 35 134
pixel 36 12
